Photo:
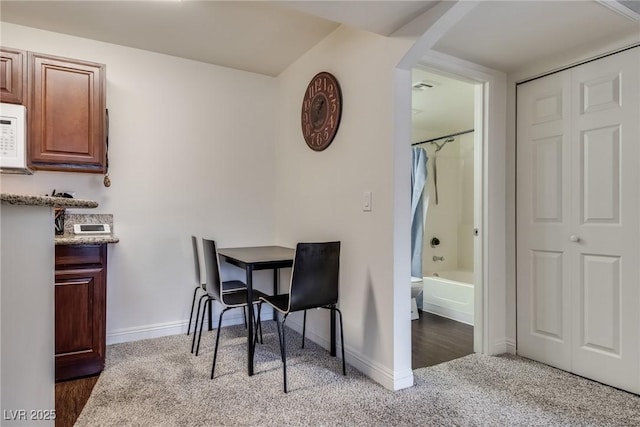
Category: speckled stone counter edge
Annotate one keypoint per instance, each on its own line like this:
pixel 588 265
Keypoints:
pixel 85 240
pixel 58 202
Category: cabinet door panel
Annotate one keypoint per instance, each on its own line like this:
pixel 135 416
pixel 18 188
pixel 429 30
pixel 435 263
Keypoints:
pixel 80 307
pixel 66 95
pixel 13 75
pixel 74 309
pixel 67 114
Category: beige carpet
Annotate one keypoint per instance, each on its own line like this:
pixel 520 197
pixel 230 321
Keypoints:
pixel 159 383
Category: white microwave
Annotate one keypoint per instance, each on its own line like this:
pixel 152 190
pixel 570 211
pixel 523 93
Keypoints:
pixel 13 139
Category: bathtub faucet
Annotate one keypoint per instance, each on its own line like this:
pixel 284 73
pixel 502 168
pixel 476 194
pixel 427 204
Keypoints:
pixel 438 258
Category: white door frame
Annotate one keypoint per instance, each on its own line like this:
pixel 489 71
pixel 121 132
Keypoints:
pixel 491 304
pixel 478 198
pixel 490 271
pixel 491 315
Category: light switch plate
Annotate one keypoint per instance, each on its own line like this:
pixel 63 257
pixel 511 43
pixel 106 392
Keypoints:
pixel 366 202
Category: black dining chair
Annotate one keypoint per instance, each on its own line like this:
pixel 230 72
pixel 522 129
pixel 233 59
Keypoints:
pixel 228 300
pixel 314 284
pixel 228 286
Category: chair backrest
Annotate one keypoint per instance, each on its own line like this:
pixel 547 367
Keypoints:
pixel 212 269
pixel 196 261
pixel 314 277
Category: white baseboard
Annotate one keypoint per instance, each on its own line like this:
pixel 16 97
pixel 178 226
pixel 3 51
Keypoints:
pixel 387 378
pixel 162 329
pixel 505 345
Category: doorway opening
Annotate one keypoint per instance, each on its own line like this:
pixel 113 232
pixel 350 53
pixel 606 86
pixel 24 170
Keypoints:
pixel 446 205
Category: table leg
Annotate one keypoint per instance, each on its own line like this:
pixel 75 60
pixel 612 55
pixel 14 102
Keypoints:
pixel 333 333
pixel 250 347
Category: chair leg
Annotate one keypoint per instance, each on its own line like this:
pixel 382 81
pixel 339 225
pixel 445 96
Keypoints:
pixel 210 317
pixel 280 334
pixel 195 325
pixel 244 314
pixel 284 354
pixel 279 338
pixel 304 326
pixel 193 304
pixel 258 324
pixel 204 310
pixel 215 350
pixel 344 365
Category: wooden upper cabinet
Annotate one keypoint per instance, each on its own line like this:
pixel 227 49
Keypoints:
pixel 66 114
pixel 13 75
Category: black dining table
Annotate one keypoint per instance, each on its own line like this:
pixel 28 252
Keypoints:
pixel 256 258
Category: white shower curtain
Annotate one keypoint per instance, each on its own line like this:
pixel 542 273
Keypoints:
pixel 418 209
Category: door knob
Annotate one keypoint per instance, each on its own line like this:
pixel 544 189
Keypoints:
pixel 574 238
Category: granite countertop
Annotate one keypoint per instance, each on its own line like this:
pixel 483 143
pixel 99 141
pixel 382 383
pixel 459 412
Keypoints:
pixel 70 238
pixel 85 240
pixel 58 202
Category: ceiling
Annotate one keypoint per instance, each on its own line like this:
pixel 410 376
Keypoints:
pixel 267 36
pixel 445 108
pixel 258 36
pixel 508 35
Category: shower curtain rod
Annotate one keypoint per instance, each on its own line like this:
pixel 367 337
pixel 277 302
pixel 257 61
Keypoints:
pixel 443 137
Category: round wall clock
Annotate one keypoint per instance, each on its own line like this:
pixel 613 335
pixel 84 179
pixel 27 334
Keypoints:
pixel 321 110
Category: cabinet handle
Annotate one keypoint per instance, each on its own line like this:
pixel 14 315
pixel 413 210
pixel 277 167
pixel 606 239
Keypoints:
pixel 574 238
pixel 107 180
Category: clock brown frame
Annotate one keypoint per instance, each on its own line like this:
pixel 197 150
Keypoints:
pixel 321 111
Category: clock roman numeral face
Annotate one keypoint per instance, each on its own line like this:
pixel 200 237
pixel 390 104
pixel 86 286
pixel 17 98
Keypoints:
pixel 321 111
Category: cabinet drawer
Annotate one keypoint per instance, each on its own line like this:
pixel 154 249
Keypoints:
pixel 80 255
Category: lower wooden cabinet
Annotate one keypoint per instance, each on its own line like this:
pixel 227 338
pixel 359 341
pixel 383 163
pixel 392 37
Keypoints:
pixel 80 310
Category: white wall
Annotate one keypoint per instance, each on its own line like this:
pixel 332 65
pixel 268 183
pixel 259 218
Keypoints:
pixel 451 220
pixel 319 194
pixel 466 191
pixel 191 151
pixel 228 179
pixel 26 314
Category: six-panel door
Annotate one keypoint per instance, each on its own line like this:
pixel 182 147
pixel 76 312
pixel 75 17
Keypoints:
pixel 578 220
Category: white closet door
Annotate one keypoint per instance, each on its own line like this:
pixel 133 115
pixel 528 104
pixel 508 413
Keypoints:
pixel 578 220
pixel 605 261
pixel 544 317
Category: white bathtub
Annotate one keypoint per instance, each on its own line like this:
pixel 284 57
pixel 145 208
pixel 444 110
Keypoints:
pixel 449 295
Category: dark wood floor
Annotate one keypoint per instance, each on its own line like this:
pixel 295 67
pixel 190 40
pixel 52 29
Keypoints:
pixel 71 396
pixel 437 339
